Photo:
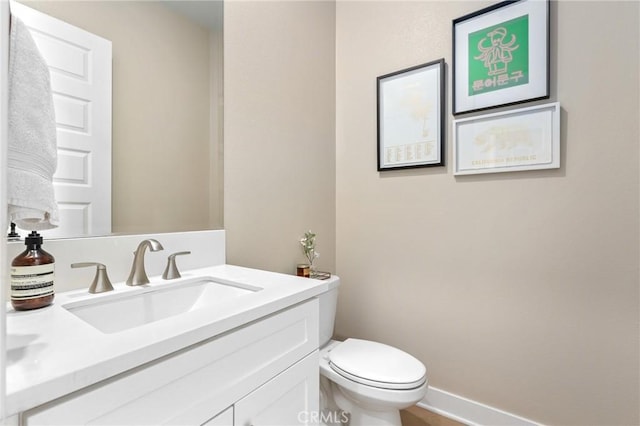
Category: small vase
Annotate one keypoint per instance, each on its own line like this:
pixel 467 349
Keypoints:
pixel 303 270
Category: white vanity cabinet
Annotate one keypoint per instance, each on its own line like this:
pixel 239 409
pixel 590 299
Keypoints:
pixel 265 372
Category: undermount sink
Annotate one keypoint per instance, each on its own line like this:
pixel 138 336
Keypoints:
pixel 121 311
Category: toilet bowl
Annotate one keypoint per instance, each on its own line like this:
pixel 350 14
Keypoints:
pixel 368 380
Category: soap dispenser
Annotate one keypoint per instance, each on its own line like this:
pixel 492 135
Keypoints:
pixel 32 276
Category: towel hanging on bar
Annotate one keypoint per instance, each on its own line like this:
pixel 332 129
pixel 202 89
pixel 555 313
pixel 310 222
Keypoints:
pixel 32 148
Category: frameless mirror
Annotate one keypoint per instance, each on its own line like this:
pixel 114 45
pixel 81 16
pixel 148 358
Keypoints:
pixel 166 109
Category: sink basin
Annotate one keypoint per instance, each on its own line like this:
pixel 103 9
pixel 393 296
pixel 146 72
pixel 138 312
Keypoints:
pixel 122 311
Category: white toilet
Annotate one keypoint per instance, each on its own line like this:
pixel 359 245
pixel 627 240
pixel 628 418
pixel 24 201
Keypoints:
pixel 369 380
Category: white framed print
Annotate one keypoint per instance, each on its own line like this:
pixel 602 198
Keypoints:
pixel 516 140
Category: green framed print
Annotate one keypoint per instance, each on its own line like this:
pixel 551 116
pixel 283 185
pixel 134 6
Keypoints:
pixel 501 56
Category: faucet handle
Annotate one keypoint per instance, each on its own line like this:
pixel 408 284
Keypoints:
pixel 101 282
pixel 171 271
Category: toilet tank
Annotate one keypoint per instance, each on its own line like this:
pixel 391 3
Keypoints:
pixel 328 304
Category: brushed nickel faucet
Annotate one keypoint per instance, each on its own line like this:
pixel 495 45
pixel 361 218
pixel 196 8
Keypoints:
pixel 101 282
pixel 138 275
pixel 171 271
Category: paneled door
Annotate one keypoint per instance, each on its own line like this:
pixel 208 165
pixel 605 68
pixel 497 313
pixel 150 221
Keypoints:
pixel 80 66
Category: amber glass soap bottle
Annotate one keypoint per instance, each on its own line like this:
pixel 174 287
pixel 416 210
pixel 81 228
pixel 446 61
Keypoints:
pixel 32 276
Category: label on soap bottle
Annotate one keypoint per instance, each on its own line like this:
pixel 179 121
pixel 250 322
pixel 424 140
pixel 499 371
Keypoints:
pixel 31 282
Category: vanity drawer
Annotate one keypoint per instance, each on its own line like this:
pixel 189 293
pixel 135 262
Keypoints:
pixel 194 384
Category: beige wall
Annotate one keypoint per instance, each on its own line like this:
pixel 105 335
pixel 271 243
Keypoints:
pixel 279 85
pixel 517 290
pixel 161 120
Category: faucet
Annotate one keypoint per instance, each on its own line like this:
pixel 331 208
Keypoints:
pixel 138 275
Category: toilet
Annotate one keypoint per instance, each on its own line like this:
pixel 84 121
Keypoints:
pixel 368 380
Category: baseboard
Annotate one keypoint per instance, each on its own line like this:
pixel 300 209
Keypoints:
pixel 469 412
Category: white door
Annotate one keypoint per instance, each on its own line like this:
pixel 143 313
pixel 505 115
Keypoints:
pixel 80 67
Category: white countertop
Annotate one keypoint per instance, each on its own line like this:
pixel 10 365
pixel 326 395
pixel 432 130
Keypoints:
pixel 51 352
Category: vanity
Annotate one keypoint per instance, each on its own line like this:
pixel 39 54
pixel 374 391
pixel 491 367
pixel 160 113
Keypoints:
pixel 221 345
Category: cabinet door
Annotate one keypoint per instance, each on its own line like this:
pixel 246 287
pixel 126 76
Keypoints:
pixel 290 398
pixel 223 419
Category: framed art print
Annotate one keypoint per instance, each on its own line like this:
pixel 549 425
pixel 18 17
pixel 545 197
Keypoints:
pixel 411 117
pixel 501 56
pixel 516 140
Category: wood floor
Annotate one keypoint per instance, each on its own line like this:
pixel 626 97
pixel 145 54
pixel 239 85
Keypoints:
pixel 416 416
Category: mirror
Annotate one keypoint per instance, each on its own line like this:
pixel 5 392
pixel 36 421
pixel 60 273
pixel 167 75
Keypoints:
pixel 167 156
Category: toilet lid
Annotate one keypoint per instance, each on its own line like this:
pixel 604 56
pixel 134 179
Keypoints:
pixel 377 364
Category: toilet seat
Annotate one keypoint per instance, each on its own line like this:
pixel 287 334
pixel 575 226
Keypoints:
pixel 376 364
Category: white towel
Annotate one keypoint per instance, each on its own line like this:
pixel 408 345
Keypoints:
pixel 32 151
